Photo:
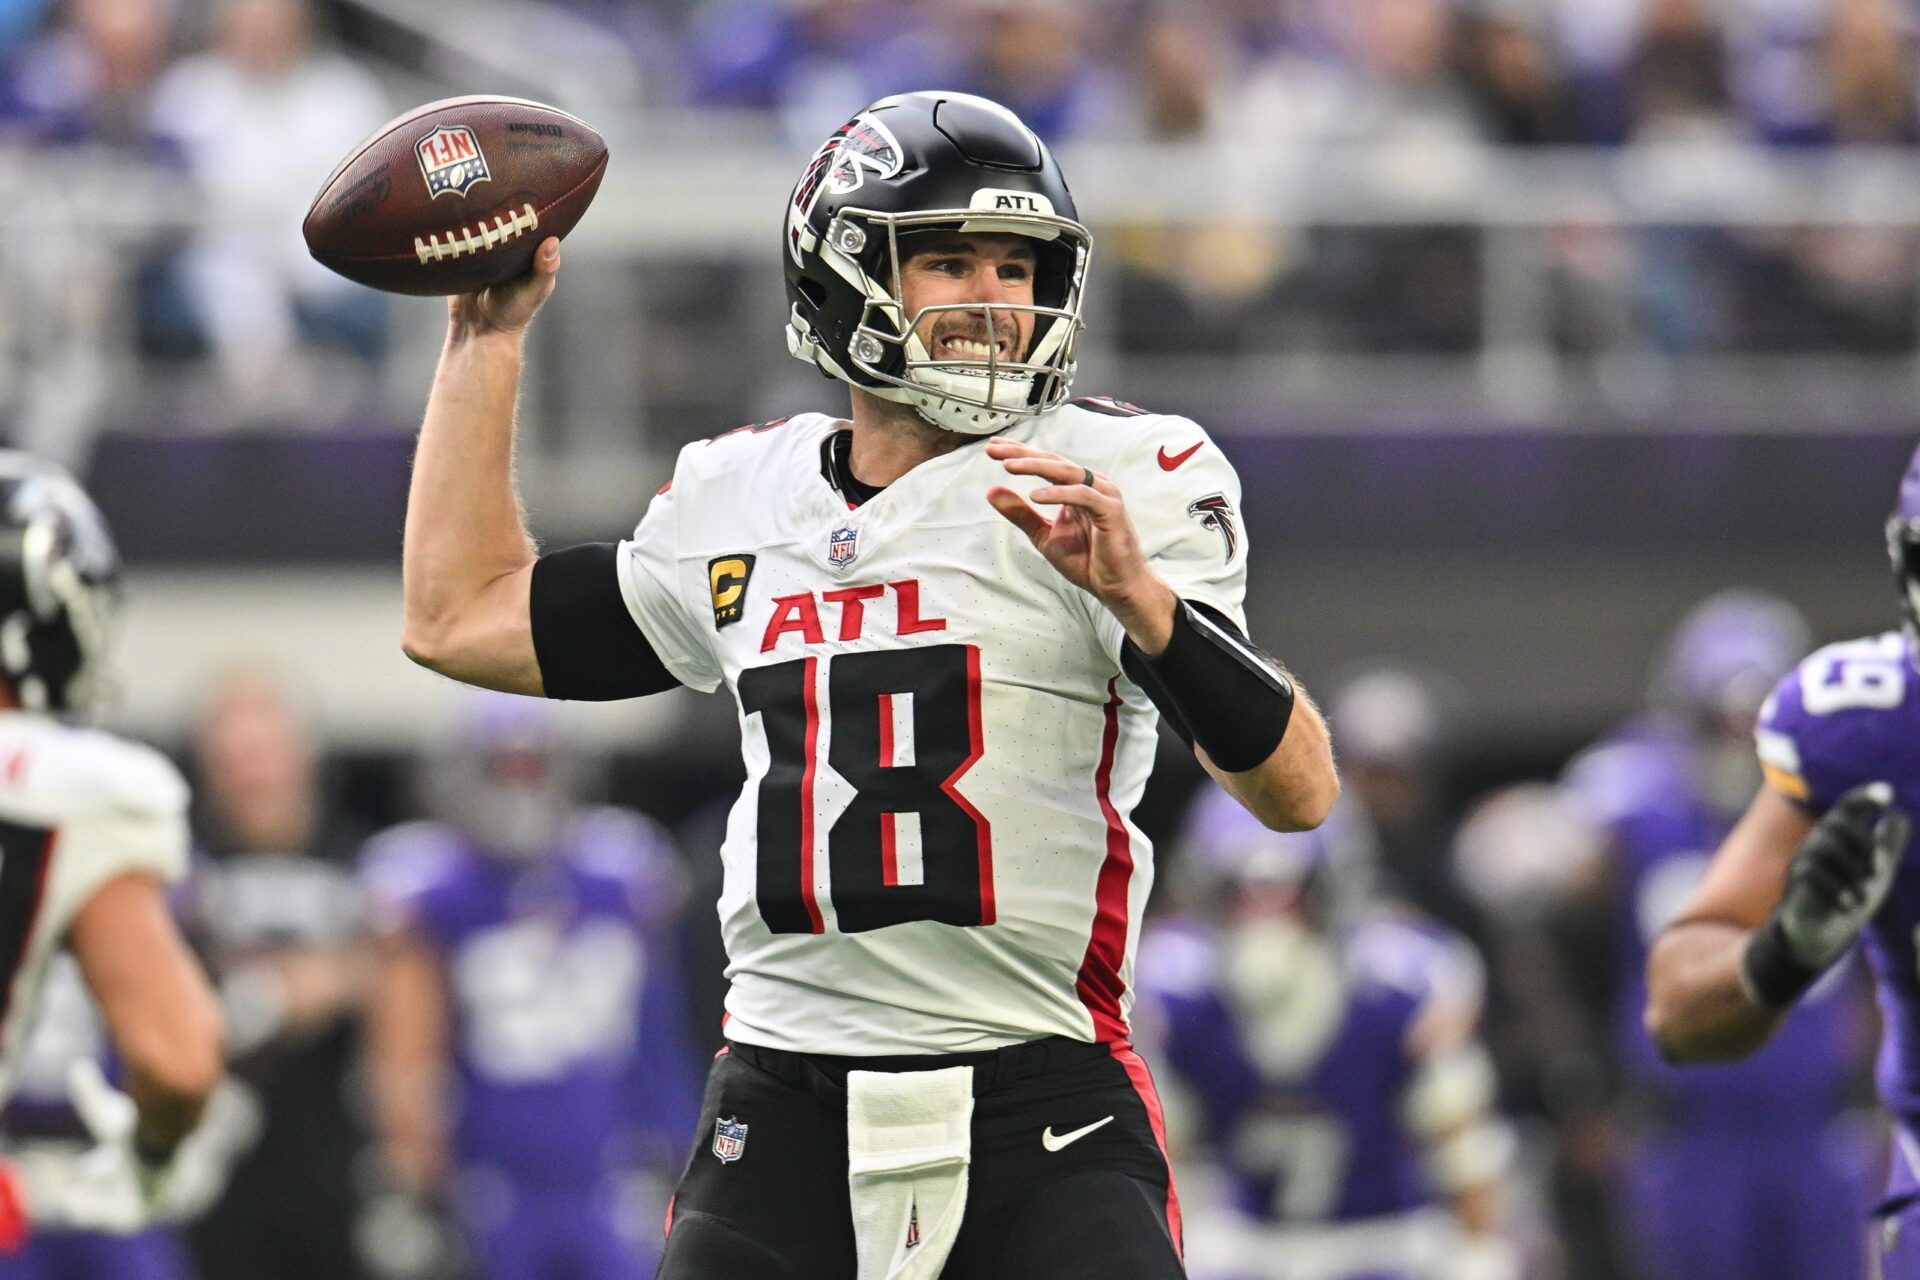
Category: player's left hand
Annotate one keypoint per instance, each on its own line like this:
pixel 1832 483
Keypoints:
pixel 1091 541
pixel 1841 873
pixel 107 1187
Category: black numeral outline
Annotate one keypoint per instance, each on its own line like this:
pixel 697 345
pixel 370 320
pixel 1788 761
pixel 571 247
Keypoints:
pixel 956 885
pixel 26 858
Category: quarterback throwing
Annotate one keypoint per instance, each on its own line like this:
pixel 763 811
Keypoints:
pixel 950 622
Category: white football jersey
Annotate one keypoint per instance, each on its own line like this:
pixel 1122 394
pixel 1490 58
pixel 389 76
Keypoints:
pixel 78 807
pixel 933 851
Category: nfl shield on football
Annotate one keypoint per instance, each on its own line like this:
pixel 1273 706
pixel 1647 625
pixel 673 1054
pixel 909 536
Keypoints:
pixel 456 195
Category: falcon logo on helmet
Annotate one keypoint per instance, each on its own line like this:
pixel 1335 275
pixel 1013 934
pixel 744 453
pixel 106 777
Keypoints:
pixel 860 146
pixel 933 162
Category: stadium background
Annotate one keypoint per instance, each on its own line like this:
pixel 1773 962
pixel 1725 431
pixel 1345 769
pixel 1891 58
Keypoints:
pixel 1528 323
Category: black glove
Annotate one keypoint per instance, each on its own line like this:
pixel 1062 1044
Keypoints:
pixel 1839 876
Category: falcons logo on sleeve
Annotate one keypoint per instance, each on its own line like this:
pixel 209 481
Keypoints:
pixel 1216 513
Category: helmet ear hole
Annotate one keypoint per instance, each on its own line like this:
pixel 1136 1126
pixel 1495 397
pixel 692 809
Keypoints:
pixel 813 292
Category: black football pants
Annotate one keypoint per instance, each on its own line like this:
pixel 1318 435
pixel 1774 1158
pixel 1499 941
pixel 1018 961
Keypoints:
pixel 1097 1207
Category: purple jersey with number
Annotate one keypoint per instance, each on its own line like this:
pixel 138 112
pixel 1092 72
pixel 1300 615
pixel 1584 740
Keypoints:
pixel 1642 786
pixel 1319 1138
pixel 1848 715
pixel 568 1038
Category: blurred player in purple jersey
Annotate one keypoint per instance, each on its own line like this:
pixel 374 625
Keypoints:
pixel 1819 860
pixel 1328 1040
pixel 1740 1172
pixel 527 1048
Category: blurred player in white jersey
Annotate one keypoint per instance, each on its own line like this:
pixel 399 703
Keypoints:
pixel 91 829
pixel 948 704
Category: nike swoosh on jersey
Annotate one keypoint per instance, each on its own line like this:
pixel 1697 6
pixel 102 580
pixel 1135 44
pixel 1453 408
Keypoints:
pixel 1168 463
pixel 1053 1142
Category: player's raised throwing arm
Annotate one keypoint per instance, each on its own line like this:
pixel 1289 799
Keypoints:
pixel 467 563
pixel 482 606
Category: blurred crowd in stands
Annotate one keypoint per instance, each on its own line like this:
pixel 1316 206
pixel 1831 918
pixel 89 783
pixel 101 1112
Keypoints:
pixel 254 100
pixel 1513 72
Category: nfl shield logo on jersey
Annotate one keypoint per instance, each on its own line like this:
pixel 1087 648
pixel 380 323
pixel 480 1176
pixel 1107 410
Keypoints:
pixel 729 1139
pixel 452 161
pixel 842 546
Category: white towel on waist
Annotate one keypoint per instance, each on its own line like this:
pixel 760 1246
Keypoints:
pixel 909 1138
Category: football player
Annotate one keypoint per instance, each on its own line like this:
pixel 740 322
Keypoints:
pixel 92 827
pixel 947 701
pixel 529 976
pixel 1818 861
pixel 1741 1171
pixel 1329 1039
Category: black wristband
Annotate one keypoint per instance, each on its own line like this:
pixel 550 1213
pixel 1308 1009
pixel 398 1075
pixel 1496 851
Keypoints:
pixel 1769 970
pixel 1220 692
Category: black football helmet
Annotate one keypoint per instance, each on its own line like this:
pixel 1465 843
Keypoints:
pixel 59 585
pixel 915 162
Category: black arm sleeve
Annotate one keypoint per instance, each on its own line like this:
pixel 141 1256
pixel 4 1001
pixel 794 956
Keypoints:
pixel 1215 688
pixel 588 645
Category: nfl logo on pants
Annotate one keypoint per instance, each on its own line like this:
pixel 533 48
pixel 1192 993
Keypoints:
pixel 729 1140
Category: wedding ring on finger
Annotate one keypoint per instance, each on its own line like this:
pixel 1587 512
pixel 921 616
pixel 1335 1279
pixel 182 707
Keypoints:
pixel 1086 476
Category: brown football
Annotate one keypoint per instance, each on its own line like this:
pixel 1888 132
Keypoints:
pixel 456 195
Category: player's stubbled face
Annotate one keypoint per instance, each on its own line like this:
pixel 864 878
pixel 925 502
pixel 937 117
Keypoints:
pixel 947 267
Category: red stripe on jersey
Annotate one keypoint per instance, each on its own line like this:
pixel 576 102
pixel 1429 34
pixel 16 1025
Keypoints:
pixel 1150 1097
pixel 983 831
pixel 32 918
pixel 889 854
pixel 1100 985
pixel 806 795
